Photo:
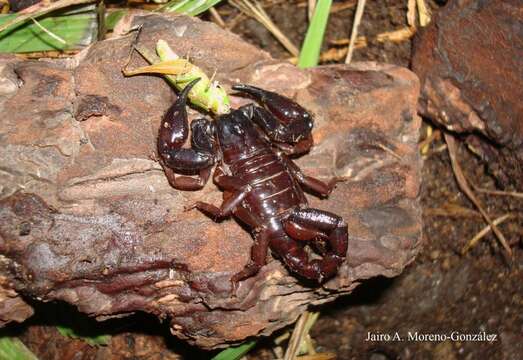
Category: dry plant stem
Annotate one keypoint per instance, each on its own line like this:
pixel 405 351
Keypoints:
pixel 310 8
pixel 278 352
pixel 397 35
pixel 472 242
pixel 277 32
pixel 453 211
pixel 335 54
pixel 439 149
pixel 388 150
pixel 296 337
pixel 238 18
pixel 336 7
pixel 424 145
pixel 257 12
pixel 424 14
pixel 60 4
pixel 432 135
pixel 48 54
pixel 354 34
pixel 462 182
pixel 345 42
pixel 310 346
pixel 320 356
pixel 515 194
pixel 411 12
pixel 217 18
pixel 54 36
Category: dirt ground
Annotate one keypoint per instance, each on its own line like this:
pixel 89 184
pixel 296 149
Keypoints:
pixel 442 292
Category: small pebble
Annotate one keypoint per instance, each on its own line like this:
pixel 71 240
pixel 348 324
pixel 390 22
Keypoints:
pixel 434 255
pixel 445 265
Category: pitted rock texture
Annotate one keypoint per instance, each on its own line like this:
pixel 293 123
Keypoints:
pixel 87 215
pixel 470 64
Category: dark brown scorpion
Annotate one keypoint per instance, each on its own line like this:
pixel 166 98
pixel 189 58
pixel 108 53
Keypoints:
pixel 261 184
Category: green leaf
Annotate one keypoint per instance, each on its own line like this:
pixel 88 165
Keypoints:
pixel 310 51
pixel 235 353
pixel 74 325
pixel 188 7
pixel 113 17
pixel 14 349
pixel 93 340
pixel 77 28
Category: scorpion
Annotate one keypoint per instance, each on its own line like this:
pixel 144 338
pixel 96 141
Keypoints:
pixel 252 148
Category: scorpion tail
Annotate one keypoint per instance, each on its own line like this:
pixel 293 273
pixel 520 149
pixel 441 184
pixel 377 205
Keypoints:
pixel 175 127
pixel 185 92
pixel 297 260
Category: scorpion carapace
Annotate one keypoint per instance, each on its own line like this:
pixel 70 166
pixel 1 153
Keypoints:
pixel 262 185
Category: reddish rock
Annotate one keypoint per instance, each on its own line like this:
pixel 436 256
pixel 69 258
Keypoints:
pixel 470 63
pixel 87 215
pixel 12 307
pixel 47 343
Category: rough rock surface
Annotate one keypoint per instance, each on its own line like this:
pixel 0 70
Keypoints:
pixel 470 64
pixel 87 215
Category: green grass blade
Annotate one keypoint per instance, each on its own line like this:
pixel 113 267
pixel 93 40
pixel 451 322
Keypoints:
pixel 78 29
pixel 235 353
pixel 14 349
pixel 189 7
pixel 91 339
pixel 113 17
pixel 202 8
pixel 310 51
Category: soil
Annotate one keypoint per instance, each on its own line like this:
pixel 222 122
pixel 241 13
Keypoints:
pixel 443 292
pixel 291 18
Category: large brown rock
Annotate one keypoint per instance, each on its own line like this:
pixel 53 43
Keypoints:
pixel 88 217
pixel 470 63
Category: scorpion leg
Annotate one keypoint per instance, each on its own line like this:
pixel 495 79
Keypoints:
pixel 284 121
pixel 173 134
pixel 311 183
pixel 231 201
pixel 234 194
pixel 227 182
pixel 258 258
pixel 309 224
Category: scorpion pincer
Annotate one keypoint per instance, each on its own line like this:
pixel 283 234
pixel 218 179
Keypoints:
pixel 251 147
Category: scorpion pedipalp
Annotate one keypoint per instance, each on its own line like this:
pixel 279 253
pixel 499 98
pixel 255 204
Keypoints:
pixel 173 134
pixel 284 121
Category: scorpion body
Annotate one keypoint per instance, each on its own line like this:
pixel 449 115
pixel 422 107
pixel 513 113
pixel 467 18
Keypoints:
pixel 262 185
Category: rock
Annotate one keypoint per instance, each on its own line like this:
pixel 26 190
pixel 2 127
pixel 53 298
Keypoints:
pixel 87 216
pixel 12 307
pixel 470 64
